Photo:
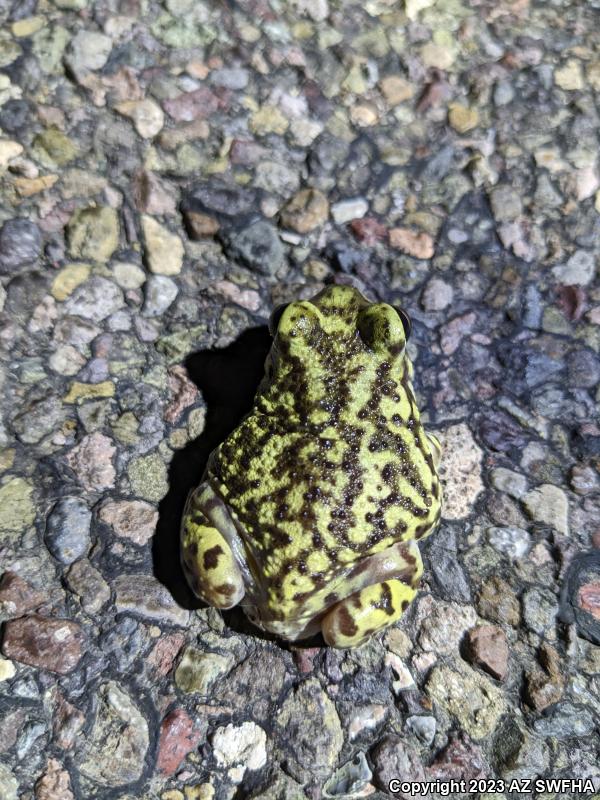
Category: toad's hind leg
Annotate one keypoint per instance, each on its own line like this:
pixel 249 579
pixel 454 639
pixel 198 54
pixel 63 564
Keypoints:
pixel 207 559
pixel 353 620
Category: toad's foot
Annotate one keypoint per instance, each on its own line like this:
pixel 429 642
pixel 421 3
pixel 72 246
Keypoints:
pixel 207 559
pixel 352 621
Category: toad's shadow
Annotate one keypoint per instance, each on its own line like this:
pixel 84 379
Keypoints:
pixel 228 379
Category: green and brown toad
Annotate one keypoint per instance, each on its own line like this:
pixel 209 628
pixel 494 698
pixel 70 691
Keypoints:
pixel 309 511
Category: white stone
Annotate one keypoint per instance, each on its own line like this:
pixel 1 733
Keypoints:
pixel 243 745
pixel 8 151
pixel 347 210
pixel 579 269
pixel 512 542
pixel 459 470
pixel 146 115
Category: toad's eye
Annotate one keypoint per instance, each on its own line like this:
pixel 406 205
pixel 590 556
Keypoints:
pixel 276 315
pixel 406 323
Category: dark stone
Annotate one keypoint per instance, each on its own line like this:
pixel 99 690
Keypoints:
pixel 258 246
pixel 68 530
pixel 584 369
pixel 15 115
pixel 221 201
pixel 20 243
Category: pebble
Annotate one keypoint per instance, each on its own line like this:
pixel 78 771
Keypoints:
pixel 443 625
pixel 545 686
pixel 459 470
pixel 462 118
pixel 68 279
pixel 142 595
pixel 8 783
pixel 548 504
pixel 461 759
pixel 146 115
pixel 84 580
pixel 92 462
pixel 159 293
pixel 95 299
pixel 198 671
pixel 570 76
pixel 469 697
pixel 309 724
pixel 268 119
pixel 348 210
pixel 418 245
pixel 258 246
pixel 128 275
pixel 506 203
pixel 396 89
pixel 506 480
pixel 50 644
pixel 307 210
pixel 497 602
pixel 512 542
pixel 53 149
pixel 243 745
pixel 424 728
pixel 8 151
pixel 17 511
pixel 113 751
pixel 488 649
pixel 68 530
pixel 17 596
pixel 178 737
pixel 88 50
pixel 93 233
pixel 437 295
pixel 130 519
pixel 394 758
pixel 540 609
pixel 579 270
pixel 54 784
pixel 20 244
pixel 164 249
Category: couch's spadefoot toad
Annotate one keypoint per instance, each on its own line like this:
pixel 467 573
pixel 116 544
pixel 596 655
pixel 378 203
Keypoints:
pixel 309 511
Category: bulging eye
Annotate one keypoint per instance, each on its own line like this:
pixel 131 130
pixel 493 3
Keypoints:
pixel 276 315
pixel 406 323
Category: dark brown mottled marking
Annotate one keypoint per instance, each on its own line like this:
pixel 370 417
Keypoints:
pixel 330 599
pixel 404 605
pixel 225 588
pixel 211 557
pixel 346 623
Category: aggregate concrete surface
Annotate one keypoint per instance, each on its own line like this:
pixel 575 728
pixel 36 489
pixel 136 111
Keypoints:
pixel 170 171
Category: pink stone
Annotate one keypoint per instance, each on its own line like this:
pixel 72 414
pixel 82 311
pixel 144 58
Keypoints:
pixel 368 230
pixel 17 597
pixel 132 519
pixel 191 105
pixel 91 461
pixel 460 759
pixel 489 650
pixel 177 738
pixel 184 393
pixel 165 651
pixel 55 783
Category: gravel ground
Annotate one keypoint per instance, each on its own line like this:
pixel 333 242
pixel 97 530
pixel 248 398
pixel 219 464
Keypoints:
pixel 170 171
